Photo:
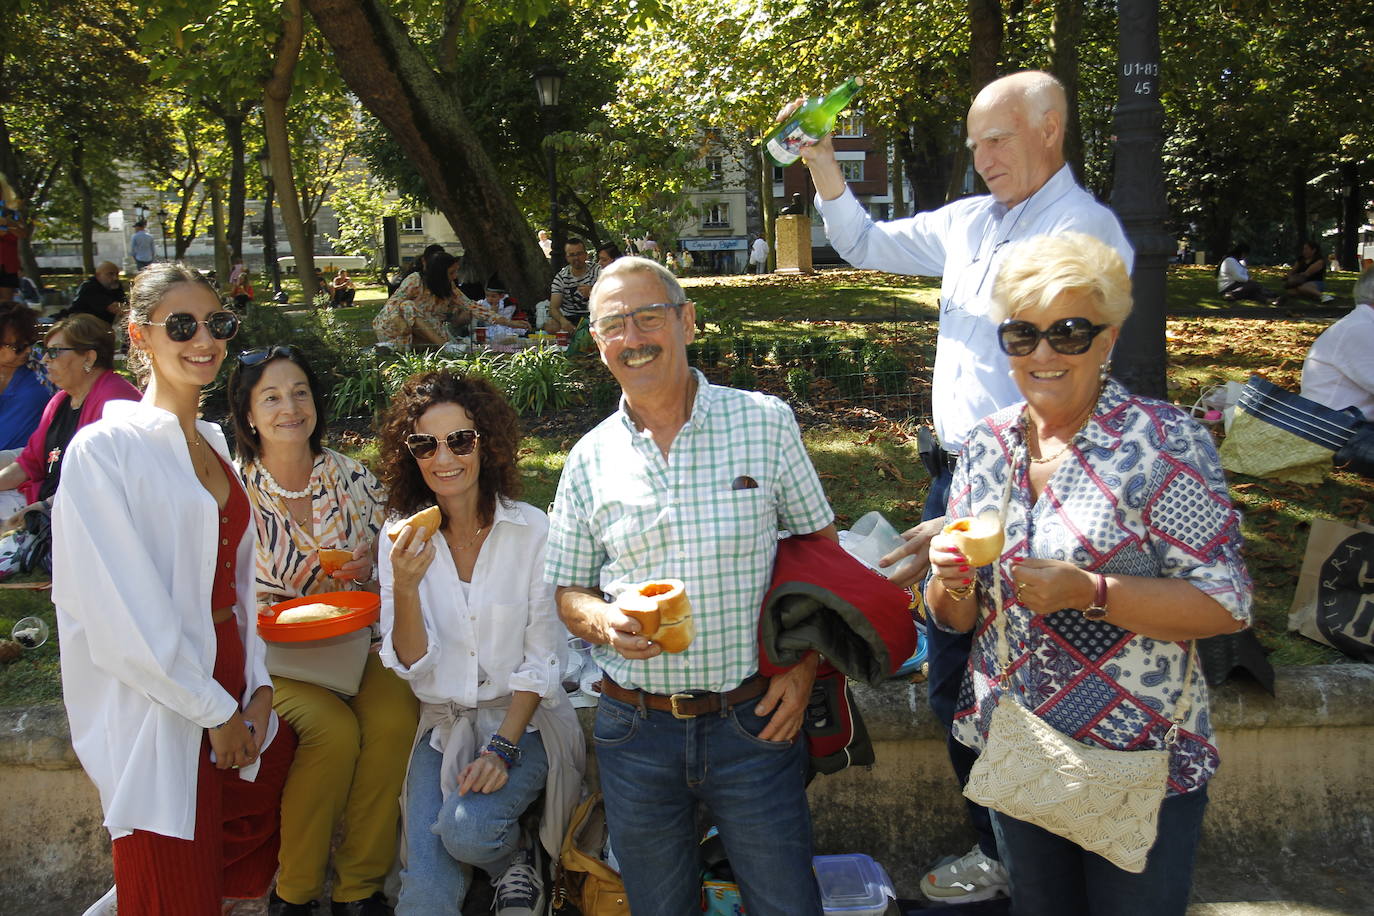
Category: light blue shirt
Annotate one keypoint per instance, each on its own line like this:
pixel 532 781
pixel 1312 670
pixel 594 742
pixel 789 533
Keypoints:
pixel 963 243
pixel 141 247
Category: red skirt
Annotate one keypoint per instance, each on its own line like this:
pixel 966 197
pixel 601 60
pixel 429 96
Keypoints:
pixel 238 824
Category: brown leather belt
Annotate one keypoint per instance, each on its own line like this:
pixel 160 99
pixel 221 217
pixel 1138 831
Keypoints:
pixel 686 705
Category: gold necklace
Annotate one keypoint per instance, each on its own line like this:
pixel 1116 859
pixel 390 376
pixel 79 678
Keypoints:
pixel 1025 435
pixel 472 540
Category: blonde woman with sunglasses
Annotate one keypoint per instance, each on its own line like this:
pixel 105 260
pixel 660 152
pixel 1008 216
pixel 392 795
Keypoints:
pixel 163 670
pixel 470 623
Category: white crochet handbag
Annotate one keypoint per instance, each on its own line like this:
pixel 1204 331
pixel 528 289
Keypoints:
pixel 1106 801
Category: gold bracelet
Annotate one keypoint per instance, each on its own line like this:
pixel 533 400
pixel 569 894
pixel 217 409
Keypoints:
pixel 959 592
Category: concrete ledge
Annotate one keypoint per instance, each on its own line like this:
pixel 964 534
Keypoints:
pixel 1293 786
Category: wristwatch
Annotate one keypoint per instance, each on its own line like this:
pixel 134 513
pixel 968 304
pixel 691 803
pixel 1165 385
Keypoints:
pixel 1098 609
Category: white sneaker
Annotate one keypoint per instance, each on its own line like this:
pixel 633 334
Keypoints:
pixel 969 878
pixel 520 889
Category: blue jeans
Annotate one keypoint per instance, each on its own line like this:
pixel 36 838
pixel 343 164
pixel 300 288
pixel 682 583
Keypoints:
pixel 1056 877
pixel 945 663
pixel 654 771
pixel 445 839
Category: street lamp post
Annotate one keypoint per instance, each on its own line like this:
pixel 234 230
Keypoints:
pixel 548 83
pixel 269 226
pixel 162 218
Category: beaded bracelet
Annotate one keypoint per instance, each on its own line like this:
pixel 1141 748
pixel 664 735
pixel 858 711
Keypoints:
pixel 501 742
pixel 497 752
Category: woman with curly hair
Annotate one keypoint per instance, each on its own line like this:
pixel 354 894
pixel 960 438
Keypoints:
pixel 469 622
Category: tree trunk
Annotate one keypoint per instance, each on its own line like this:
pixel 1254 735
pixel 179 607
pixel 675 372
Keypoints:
pixel 1352 214
pixel 985 41
pixel 276 95
pixel 392 78
pixel 1299 179
pixel 76 172
pixel 895 175
pixel 233 135
pixel 763 174
pixel 1067 32
pixel 218 226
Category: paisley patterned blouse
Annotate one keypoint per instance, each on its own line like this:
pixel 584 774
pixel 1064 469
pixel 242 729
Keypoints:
pixel 347 509
pixel 414 306
pixel 1140 493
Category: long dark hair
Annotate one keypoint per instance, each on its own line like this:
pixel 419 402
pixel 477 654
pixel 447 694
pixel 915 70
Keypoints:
pixel 243 379
pixel 436 275
pixel 493 418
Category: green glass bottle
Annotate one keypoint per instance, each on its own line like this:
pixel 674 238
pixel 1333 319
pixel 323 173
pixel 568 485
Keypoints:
pixel 809 123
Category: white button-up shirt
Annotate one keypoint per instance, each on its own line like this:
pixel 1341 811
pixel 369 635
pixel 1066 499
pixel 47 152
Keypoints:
pixel 500 634
pixel 135 539
pixel 963 243
pixel 1338 371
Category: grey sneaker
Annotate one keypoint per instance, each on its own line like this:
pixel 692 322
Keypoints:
pixel 969 878
pixel 520 889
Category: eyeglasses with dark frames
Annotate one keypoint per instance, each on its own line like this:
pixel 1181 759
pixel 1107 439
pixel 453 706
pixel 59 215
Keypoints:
pixel 460 442
pixel 181 326
pixel 43 351
pixel 1070 336
pixel 648 318
pixel 259 355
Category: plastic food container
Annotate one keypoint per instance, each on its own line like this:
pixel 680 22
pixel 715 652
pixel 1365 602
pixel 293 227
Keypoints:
pixel 331 653
pixel 853 884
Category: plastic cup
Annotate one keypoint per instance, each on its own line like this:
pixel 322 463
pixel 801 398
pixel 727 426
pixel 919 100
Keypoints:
pixel 480 334
pixel 564 338
pixel 871 538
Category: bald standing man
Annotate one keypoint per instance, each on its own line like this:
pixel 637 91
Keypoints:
pixel 1016 136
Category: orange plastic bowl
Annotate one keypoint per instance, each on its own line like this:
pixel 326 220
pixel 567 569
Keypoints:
pixel 365 609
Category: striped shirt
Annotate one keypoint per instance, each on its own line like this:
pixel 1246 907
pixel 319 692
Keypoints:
pixel 708 514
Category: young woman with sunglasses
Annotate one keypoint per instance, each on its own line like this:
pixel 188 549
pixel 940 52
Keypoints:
pixel 470 623
pixel 1121 547
pixel 163 670
pixel 79 354
pixel 351 758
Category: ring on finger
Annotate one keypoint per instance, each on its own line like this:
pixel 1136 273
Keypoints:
pixel 1020 588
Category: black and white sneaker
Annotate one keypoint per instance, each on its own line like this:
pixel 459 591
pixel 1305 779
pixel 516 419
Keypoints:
pixel 520 889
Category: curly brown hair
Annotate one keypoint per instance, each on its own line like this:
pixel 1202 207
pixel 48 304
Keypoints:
pixel 495 419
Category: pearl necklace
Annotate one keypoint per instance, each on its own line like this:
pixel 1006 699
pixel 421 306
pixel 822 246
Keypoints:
pixel 270 483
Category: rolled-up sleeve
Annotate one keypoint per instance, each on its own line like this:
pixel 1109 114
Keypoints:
pixel 433 649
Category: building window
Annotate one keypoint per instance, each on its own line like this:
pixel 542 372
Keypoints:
pixel 716 171
pixel 852 125
pixel 852 169
pixel 715 216
pixel 57 249
pixel 412 224
pixel 777 174
pixel 255 228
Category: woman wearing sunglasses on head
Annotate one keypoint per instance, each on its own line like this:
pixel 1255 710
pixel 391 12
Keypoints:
pixel 351 756
pixel 1121 547
pixel 163 670
pixel 468 620
pixel 79 354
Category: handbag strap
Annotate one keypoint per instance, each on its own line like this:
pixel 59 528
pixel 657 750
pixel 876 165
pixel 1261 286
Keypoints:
pixel 1004 642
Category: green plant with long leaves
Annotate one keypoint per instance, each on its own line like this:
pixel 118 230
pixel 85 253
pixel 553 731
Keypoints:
pixel 536 380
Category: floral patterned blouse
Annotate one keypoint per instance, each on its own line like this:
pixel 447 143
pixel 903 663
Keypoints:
pixel 1141 492
pixel 414 306
pixel 347 508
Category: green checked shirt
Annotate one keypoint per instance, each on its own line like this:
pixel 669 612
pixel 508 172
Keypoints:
pixel 624 514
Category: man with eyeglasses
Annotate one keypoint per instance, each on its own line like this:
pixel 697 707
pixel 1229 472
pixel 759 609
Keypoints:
pixel 1016 137
pixel 688 481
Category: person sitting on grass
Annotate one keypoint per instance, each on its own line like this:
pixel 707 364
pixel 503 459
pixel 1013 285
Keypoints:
pixel 1338 371
pixel 1307 279
pixel 342 290
pixel 423 307
pixel 1233 277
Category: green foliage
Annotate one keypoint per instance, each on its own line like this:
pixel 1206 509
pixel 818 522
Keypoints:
pixel 743 376
pixel 536 380
pixel 799 383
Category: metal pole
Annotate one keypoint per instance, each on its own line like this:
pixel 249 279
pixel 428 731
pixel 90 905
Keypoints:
pixel 269 240
pixel 555 222
pixel 1138 196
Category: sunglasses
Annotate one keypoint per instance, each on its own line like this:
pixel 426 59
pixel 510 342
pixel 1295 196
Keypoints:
pixel 43 351
pixel 460 442
pixel 1070 336
pixel 181 326
pixel 259 355
pixel 648 319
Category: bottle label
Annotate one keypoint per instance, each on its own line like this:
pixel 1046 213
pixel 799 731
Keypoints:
pixel 786 145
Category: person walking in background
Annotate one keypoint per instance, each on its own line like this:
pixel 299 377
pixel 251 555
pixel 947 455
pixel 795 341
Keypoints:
pixel 688 481
pixel 141 245
pixel 163 670
pixel 758 255
pixel 1016 135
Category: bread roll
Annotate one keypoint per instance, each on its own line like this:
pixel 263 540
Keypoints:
pixel 979 538
pixel 663 611
pixel 425 522
pixel 331 559
pixel 309 613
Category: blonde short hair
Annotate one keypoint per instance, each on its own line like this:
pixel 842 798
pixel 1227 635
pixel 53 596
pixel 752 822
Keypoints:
pixel 1039 270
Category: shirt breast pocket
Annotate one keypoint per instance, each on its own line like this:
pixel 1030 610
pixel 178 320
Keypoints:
pixel 741 520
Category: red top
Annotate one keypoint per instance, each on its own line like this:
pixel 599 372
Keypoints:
pixel 233 522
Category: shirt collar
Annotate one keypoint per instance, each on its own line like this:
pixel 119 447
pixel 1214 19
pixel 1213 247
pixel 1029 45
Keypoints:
pixel 1059 184
pixel 700 405
pixel 507 511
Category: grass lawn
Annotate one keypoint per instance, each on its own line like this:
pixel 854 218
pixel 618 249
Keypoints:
pixel 1210 341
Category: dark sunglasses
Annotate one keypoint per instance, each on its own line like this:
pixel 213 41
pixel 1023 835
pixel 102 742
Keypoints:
pixel 181 327
pixel 43 351
pixel 259 355
pixel 1070 336
pixel 460 442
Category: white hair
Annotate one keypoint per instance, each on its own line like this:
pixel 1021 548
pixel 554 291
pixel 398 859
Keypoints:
pixel 1038 93
pixel 634 265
